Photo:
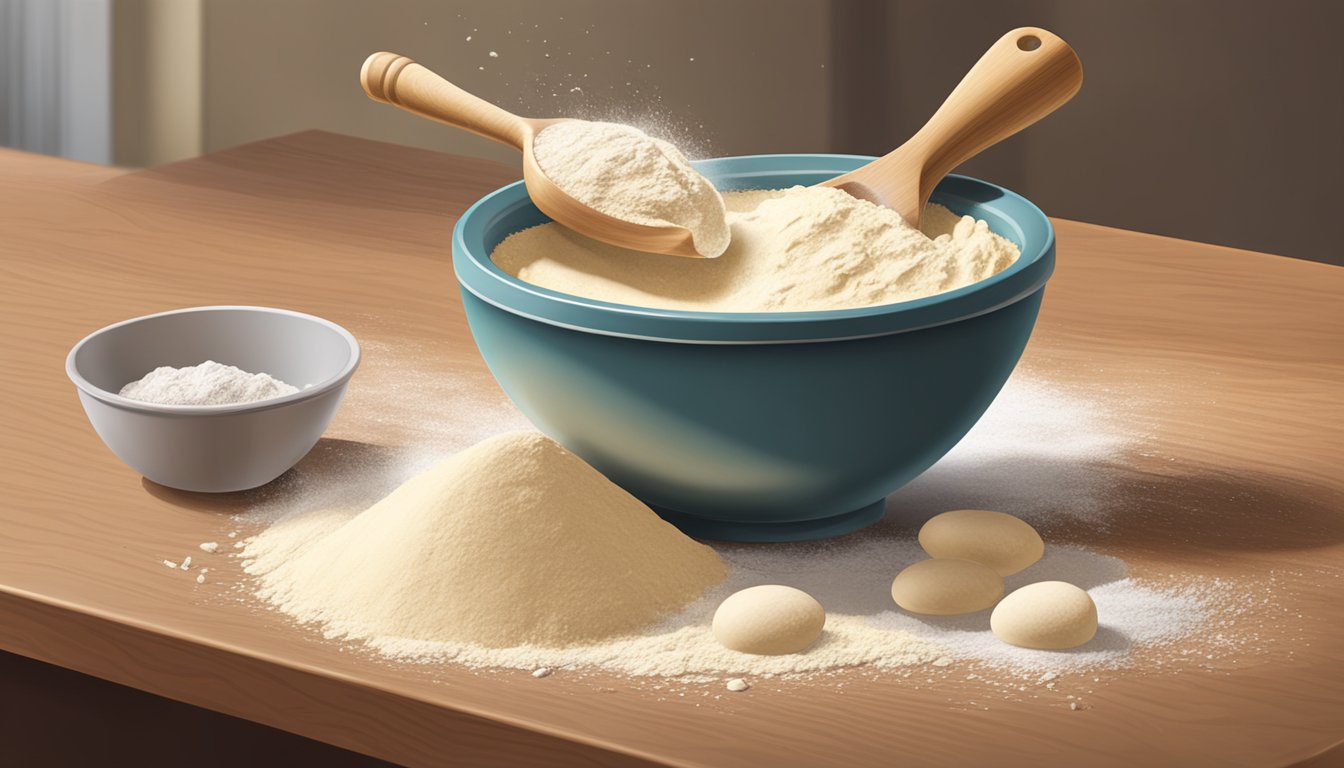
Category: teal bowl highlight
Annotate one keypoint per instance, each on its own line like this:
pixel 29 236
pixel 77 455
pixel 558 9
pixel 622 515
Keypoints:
pixel 757 426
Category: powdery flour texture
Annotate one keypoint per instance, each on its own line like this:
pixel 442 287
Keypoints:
pixel 794 250
pixel 209 383
pixel 513 541
pixel 629 175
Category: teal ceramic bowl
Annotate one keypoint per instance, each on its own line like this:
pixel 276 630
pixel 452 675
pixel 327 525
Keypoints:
pixel 757 426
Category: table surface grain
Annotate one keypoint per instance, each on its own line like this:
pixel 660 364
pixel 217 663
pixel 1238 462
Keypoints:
pixel 1233 360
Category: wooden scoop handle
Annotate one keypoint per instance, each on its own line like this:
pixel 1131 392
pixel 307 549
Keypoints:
pixel 1023 77
pixel 399 81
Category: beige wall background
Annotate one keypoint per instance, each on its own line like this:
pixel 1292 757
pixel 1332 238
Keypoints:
pixel 1211 120
pixel 157 86
pixel 716 76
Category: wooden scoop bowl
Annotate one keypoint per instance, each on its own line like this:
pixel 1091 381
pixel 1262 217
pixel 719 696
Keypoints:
pixel 1023 77
pixel 399 81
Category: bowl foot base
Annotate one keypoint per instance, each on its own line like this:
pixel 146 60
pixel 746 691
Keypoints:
pixel 802 530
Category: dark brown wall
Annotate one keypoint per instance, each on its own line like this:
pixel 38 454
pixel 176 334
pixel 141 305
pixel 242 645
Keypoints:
pixel 1213 120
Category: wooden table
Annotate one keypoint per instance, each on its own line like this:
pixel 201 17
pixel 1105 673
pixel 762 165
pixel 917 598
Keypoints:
pixel 1239 357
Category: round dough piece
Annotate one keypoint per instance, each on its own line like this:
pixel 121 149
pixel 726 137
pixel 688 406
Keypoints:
pixel 947 587
pixel 769 620
pixel 1050 615
pixel 1003 542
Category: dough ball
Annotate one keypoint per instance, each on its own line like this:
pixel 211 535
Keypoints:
pixel 769 620
pixel 1003 542
pixel 1050 615
pixel 946 587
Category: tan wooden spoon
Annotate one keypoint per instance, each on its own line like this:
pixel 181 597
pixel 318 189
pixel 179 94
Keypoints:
pixel 1023 77
pixel 399 81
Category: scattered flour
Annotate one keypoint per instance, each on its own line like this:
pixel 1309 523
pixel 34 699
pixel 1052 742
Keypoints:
pixel 1060 443
pixel 851 578
pixel 623 172
pixel 793 250
pixel 1042 452
pixel 467 408
pixel 1130 615
pixel 209 383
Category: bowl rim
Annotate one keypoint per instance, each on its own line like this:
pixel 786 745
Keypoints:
pixel 126 403
pixel 478 275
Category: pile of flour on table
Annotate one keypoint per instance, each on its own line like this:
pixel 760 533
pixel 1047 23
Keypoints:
pixel 799 249
pixel 514 541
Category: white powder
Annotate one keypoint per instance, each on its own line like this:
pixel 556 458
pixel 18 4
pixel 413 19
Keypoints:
pixel 800 249
pixel 514 540
pixel 1042 452
pixel 1130 615
pixel 209 383
pixel 629 175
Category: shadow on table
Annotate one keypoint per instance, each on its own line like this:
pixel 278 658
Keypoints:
pixel 1192 510
pixel 350 473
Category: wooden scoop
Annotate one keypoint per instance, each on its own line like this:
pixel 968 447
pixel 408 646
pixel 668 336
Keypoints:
pixel 1023 77
pixel 401 82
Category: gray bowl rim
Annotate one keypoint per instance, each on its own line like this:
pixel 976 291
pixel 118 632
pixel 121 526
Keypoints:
pixel 477 273
pixel 126 403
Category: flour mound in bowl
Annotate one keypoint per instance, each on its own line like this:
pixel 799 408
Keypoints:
pixel 794 250
pixel 629 175
pixel 209 383
pixel 515 541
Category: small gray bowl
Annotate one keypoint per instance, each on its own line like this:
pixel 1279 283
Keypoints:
pixel 214 448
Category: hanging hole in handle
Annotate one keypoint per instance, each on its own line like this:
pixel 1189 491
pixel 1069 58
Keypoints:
pixel 1028 43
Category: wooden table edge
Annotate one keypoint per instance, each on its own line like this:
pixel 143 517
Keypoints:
pixel 57 632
